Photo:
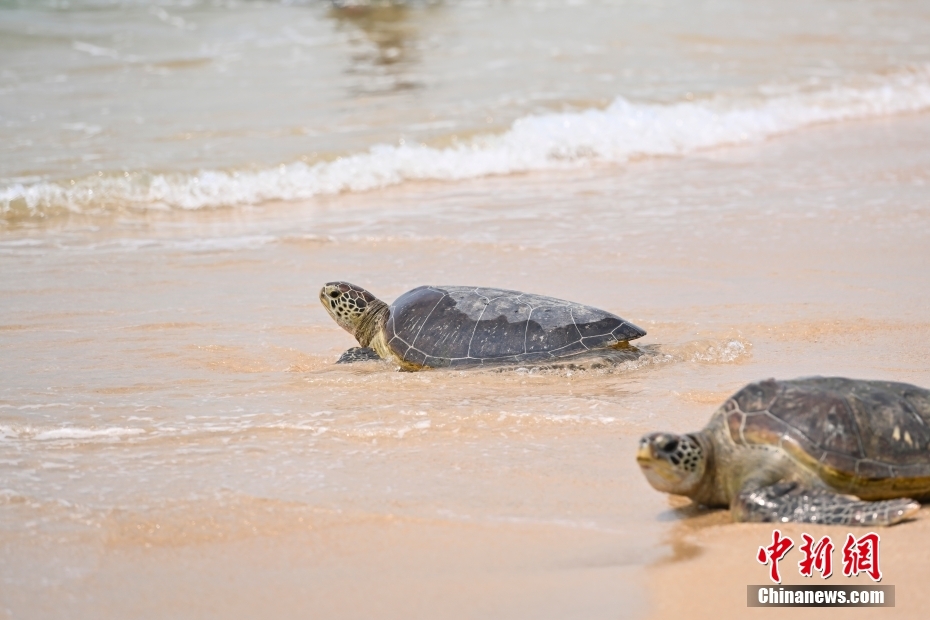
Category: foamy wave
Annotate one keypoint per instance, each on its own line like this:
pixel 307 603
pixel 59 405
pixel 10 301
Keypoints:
pixel 622 131
pixel 68 433
pixel 86 433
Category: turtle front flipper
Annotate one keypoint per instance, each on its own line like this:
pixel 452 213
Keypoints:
pixel 358 354
pixel 789 501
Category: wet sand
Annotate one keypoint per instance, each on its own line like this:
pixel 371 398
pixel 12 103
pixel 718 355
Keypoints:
pixel 713 562
pixel 215 463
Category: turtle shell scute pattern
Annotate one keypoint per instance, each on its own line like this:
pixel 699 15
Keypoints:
pixel 457 326
pixel 866 430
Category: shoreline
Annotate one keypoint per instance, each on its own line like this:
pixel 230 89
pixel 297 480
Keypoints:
pixel 206 371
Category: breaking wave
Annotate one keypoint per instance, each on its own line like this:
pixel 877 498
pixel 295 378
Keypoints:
pixel 622 131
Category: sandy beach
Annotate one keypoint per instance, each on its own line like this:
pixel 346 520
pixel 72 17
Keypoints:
pixel 750 186
pixel 353 491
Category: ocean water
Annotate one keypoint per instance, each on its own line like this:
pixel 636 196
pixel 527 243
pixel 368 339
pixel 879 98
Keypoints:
pixel 110 105
pixel 747 181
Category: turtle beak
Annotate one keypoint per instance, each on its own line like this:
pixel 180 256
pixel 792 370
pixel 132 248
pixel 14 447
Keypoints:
pixel 651 456
pixel 653 445
pixel 645 453
pixel 668 462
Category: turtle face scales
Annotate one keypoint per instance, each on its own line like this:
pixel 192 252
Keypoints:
pixel 672 463
pixel 346 303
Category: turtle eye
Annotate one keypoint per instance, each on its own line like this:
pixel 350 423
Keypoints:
pixel 334 294
pixel 669 445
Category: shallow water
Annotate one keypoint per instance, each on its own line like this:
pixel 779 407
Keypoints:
pixel 174 405
pixel 110 104
pixel 175 438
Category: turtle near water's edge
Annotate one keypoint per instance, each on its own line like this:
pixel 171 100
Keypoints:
pixel 818 450
pixel 464 326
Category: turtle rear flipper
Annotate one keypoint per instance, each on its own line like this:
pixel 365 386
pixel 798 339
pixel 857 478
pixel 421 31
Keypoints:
pixel 358 354
pixel 789 501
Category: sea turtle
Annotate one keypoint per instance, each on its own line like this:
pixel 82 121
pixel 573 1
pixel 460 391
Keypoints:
pixel 460 326
pixel 816 450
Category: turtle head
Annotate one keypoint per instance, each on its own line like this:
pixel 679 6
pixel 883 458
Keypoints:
pixel 352 307
pixel 673 463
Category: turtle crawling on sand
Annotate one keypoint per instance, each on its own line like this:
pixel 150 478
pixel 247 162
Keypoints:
pixel 819 450
pixel 461 326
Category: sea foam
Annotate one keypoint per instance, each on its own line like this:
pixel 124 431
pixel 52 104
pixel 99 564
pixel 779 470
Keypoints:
pixel 85 433
pixel 622 131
